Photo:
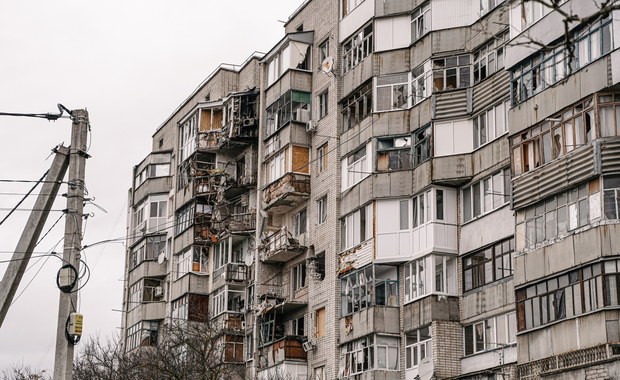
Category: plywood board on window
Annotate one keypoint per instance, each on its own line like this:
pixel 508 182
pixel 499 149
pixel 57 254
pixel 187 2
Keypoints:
pixel 205 120
pixel 300 159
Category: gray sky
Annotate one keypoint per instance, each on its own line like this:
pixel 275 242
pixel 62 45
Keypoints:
pixel 130 63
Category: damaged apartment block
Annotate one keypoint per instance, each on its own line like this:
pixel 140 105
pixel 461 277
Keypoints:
pixel 395 190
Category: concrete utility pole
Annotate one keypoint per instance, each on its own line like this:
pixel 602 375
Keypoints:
pixel 32 231
pixel 63 364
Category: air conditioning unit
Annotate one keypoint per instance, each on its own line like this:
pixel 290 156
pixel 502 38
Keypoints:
pixel 242 325
pixel 159 291
pixel 311 126
pixel 302 115
pixel 308 346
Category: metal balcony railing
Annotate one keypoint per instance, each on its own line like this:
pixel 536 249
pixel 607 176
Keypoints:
pixel 280 246
pixel 565 361
pixel 236 272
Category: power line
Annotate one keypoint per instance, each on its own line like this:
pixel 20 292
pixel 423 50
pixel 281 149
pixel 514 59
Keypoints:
pixel 24 198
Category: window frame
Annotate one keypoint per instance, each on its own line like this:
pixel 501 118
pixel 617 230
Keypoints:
pixel 474 264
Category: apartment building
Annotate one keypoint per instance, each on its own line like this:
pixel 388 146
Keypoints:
pixel 396 190
pixel 562 138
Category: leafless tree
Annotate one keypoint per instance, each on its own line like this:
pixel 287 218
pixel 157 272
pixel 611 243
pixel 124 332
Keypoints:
pixel 185 351
pixel 22 372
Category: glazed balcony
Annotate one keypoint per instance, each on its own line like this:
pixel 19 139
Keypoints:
pixel 280 247
pixel 287 192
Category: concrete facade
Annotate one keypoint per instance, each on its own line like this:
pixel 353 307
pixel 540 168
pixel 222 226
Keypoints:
pixel 396 190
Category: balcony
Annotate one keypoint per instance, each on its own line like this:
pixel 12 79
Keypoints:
pixel 235 272
pixel 207 186
pixel 287 192
pixel 284 349
pixel 245 222
pixel 241 126
pixel 280 247
pixel 208 140
pixel 202 228
pixel 568 360
pixel 233 323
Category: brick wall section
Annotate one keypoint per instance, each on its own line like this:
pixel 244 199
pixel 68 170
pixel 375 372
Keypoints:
pixel 597 372
pixel 447 348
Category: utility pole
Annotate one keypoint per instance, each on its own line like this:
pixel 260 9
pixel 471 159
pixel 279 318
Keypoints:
pixel 30 235
pixel 63 364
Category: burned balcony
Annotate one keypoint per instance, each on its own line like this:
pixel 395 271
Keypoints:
pixel 287 192
pixel 202 223
pixel 240 118
pixel 209 140
pixel 280 247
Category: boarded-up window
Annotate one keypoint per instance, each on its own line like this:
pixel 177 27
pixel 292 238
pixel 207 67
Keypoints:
pixel 198 307
pixel 210 119
pixel 234 349
pixel 300 159
pixel 319 321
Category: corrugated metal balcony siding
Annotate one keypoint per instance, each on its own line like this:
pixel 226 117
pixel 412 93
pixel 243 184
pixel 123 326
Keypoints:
pixel 451 104
pixel 491 90
pixel 566 172
pixel 610 160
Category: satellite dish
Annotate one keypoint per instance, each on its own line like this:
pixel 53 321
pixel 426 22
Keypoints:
pixel 249 259
pixel 327 65
pixel 161 258
pixel 426 369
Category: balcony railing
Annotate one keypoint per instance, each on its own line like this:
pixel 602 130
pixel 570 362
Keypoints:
pixel 233 322
pixel 286 192
pixel 242 222
pixel 280 246
pixel 208 140
pixel 235 272
pixel 568 360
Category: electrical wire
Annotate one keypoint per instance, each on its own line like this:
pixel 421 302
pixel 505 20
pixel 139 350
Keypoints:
pixel 24 198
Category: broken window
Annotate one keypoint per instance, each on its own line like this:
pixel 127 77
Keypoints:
pixel 323 50
pixel 420 21
pixel 431 274
pixel 422 144
pixel 571 294
pixel 293 55
pixel 373 352
pixel 556 215
pixel 228 298
pixel 143 333
pixel 187 137
pixel 489 58
pixel 298 277
pixel 452 72
pixel 357 106
pixel 392 92
pixel 292 106
pixel 370 286
pixel 421 83
pixel 358 47
pixel 488 265
pixel 394 153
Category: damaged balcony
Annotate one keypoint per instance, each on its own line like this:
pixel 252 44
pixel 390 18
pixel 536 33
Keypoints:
pixel 209 140
pixel 280 247
pixel 240 223
pixel 202 224
pixel 233 323
pixel 287 192
pixel 240 119
pixel 287 348
pixel 235 272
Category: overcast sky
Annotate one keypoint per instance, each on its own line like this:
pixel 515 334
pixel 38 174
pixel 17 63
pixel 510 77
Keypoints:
pixel 130 63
